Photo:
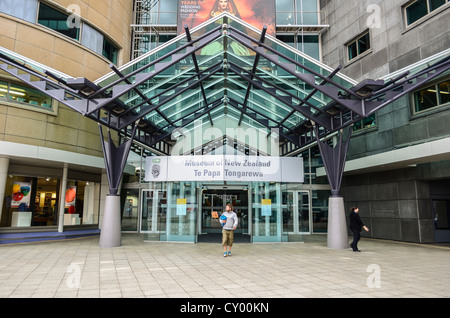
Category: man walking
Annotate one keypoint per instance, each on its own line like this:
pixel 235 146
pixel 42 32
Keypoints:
pixel 356 225
pixel 230 224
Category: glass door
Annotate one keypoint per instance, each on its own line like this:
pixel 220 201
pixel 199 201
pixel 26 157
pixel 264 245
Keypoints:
pixel 130 208
pixel 441 218
pixel 153 213
pixel 213 204
pixel 296 212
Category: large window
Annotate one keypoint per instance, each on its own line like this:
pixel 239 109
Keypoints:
pixel 157 12
pixel 297 12
pixel 432 96
pixel 365 123
pixel 13 92
pixel 21 9
pixel 420 8
pixel 57 21
pixel 81 203
pixel 358 46
pixel 93 39
pixel 30 201
pixel 308 44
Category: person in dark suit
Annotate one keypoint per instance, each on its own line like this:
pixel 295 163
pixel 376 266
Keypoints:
pixel 356 225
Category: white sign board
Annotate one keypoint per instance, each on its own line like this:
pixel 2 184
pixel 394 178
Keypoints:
pixel 224 168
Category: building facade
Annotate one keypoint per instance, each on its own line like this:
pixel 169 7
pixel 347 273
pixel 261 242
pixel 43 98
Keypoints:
pixel 51 159
pixel 394 173
pixel 398 164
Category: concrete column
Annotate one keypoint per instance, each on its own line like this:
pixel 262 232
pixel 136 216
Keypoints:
pixel 4 166
pixel 62 199
pixel 337 237
pixel 111 233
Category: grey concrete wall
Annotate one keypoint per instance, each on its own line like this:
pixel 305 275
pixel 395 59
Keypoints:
pixel 394 45
pixel 398 127
pixel 393 204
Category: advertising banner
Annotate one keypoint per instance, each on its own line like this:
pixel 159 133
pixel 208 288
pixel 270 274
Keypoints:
pixel 257 13
pixel 224 168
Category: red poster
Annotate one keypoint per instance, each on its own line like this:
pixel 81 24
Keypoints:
pixel 258 13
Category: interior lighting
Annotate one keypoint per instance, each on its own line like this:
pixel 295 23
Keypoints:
pixel 12 92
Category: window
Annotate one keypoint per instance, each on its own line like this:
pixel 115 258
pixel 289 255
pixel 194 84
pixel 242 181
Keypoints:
pixel 168 12
pixel 308 44
pixel 110 51
pixel 18 93
pixel 420 8
pixel 90 37
pixel 297 12
pixel 365 123
pixel 30 201
pixel 57 21
pixel 358 46
pixel 94 40
pixel 22 9
pixel 432 96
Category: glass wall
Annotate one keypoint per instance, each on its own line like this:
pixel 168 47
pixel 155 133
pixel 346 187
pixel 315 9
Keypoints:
pixel 34 201
pixel 169 211
pixel 320 210
pixel 266 198
pixel 182 211
pixel 130 209
pixel 81 205
pixel 27 97
pixel 297 12
pixel 30 202
pixel 308 44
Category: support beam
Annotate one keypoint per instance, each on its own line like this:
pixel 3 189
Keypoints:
pixel 334 161
pixel 115 161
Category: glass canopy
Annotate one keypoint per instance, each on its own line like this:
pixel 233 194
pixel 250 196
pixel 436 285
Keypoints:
pixel 224 67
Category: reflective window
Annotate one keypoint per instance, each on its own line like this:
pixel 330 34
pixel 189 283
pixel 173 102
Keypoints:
pixel 297 12
pixel 130 207
pixel 308 44
pixel 30 201
pixel 56 20
pixel 110 51
pixel 432 96
pixel 421 8
pixel 358 46
pixel 365 123
pixel 22 9
pixel 81 203
pixel 14 92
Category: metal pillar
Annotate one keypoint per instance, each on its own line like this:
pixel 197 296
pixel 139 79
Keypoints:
pixel 334 161
pixel 115 161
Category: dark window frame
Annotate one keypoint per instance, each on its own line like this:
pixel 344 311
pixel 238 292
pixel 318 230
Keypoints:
pixel 430 8
pixel 355 48
pixel 434 93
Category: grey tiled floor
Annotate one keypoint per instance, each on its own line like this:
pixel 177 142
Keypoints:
pixel 79 268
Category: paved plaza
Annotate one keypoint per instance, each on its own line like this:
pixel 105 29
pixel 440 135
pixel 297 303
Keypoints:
pixel 79 268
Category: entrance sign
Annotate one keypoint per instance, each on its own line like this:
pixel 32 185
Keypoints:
pixel 224 168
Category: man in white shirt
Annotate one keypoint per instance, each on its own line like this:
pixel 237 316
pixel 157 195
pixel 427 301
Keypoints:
pixel 229 225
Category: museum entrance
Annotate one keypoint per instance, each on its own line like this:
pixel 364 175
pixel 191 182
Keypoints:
pixel 213 203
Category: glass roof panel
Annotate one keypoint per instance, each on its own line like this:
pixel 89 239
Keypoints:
pixel 181 80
